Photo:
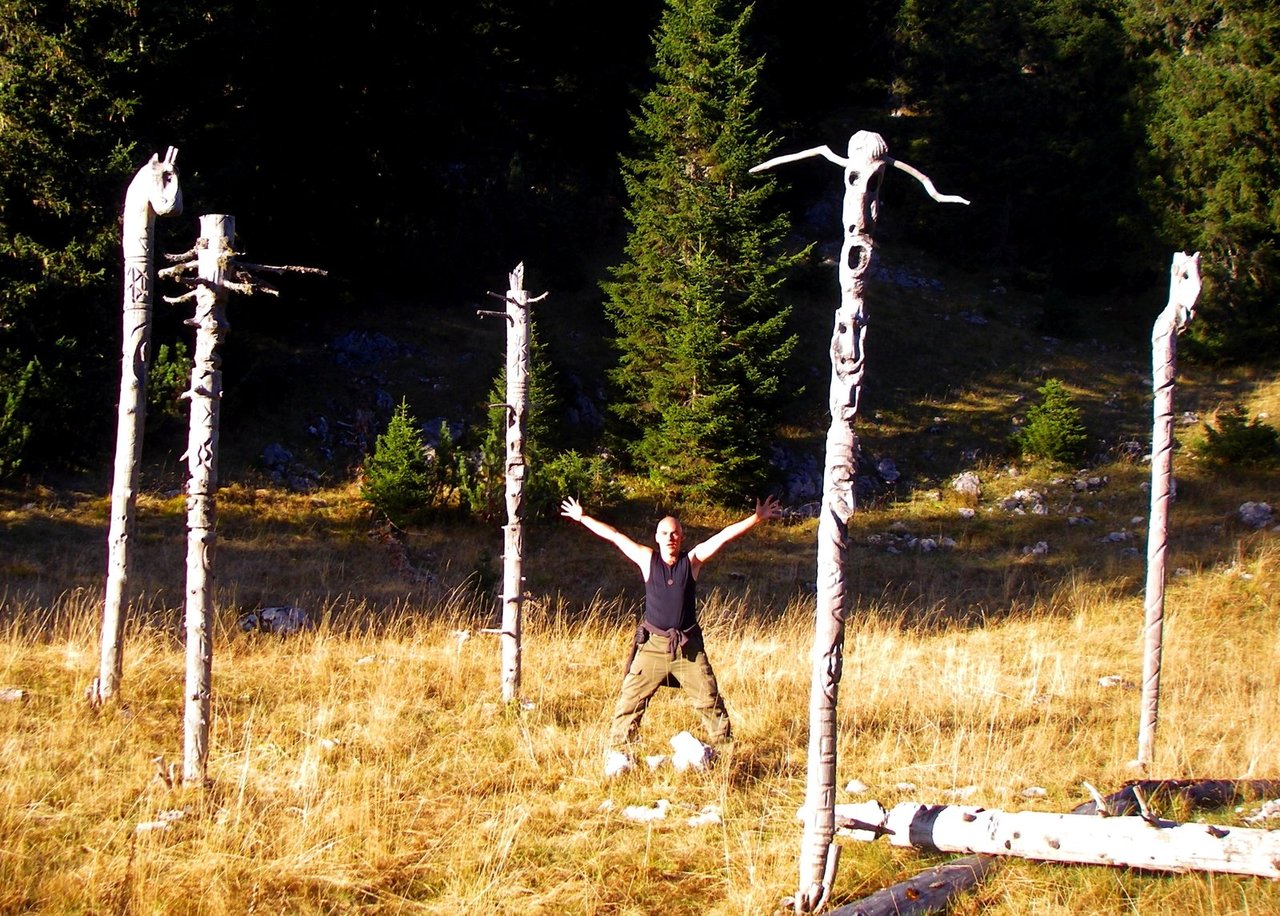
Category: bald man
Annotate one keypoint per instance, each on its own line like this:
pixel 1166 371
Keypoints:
pixel 670 641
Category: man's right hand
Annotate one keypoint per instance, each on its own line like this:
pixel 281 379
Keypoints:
pixel 571 509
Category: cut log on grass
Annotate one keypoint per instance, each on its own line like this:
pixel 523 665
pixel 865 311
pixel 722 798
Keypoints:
pixel 1131 842
pixel 928 892
pixel 1198 793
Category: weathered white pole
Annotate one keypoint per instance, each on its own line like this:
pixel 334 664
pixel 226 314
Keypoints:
pixel 1184 289
pixel 863 172
pixel 213 252
pixel 153 192
pixel 513 534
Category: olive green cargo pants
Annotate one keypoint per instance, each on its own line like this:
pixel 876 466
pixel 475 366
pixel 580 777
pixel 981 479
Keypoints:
pixel 649 670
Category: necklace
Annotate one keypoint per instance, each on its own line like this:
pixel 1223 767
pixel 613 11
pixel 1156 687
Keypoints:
pixel 670 571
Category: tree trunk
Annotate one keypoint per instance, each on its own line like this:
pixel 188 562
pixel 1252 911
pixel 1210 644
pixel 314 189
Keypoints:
pixel 928 892
pixel 1184 288
pixel 1198 793
pixel 1131 842
pixel 513 534
pixel 153 192
pixel 214 251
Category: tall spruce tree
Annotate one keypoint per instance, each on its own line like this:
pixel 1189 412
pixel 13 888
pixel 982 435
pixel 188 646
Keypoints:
pixel 701 334
pixel 65 161
pixel 1215 156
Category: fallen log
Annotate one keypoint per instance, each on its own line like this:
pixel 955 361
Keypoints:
pixel 1137 794
pixel 928 892
pixel 1132 842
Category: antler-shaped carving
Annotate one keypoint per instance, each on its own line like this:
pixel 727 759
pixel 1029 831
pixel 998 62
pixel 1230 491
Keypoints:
pixel 865 146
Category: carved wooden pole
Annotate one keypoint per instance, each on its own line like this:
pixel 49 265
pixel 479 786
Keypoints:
pixel 517 412
pixel 213 252
pixel 863 173
pixel 153 192
pixel 1184 289
pixel 217 274
pixel 513 533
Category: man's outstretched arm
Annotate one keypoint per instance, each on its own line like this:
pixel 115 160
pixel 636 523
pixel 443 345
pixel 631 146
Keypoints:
pixel 636 553
pixel 770 508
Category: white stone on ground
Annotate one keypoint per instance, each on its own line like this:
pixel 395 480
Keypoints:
pixel 644 814
pixel 709 815
pixel 1268 811
pixel 690 752
pixel 616 763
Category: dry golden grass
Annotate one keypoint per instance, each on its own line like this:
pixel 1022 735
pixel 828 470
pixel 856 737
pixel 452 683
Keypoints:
pixel 369 766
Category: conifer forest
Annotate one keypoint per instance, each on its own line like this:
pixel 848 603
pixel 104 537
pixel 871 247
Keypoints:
pixel 414 151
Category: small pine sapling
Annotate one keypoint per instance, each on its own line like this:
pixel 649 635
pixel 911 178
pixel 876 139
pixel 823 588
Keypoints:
pixel 1054 430
pixel 169 378
pixel 398 476
pixel 1236 439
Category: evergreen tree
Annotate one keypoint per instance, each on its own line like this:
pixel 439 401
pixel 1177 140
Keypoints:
pixel 1028 106
pixel 65 98
pixel 1054 430
pixel 403 479
pixel 701 335
pixel 1215 143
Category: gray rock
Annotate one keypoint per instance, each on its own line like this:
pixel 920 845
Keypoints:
pixel 1255 515
pixel 1020 501
pixel 282 619
pixel 363 348
pixel 277 458
pixel 431 431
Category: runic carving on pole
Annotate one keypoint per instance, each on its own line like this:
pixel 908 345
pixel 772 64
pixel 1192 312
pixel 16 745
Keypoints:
pixel 216 275
pixel 517 410
pixel 153 192
pixel 863 172
pixel 1184 289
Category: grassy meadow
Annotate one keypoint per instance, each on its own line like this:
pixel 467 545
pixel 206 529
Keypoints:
pixel 369 765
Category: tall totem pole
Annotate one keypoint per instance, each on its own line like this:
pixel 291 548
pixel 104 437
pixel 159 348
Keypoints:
pixel 213 253
pixel 1184 289
pixel 516 410
pixel 217 274
pixel 153 192
pixel 863 173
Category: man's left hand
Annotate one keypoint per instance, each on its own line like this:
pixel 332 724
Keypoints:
pixel 770 508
